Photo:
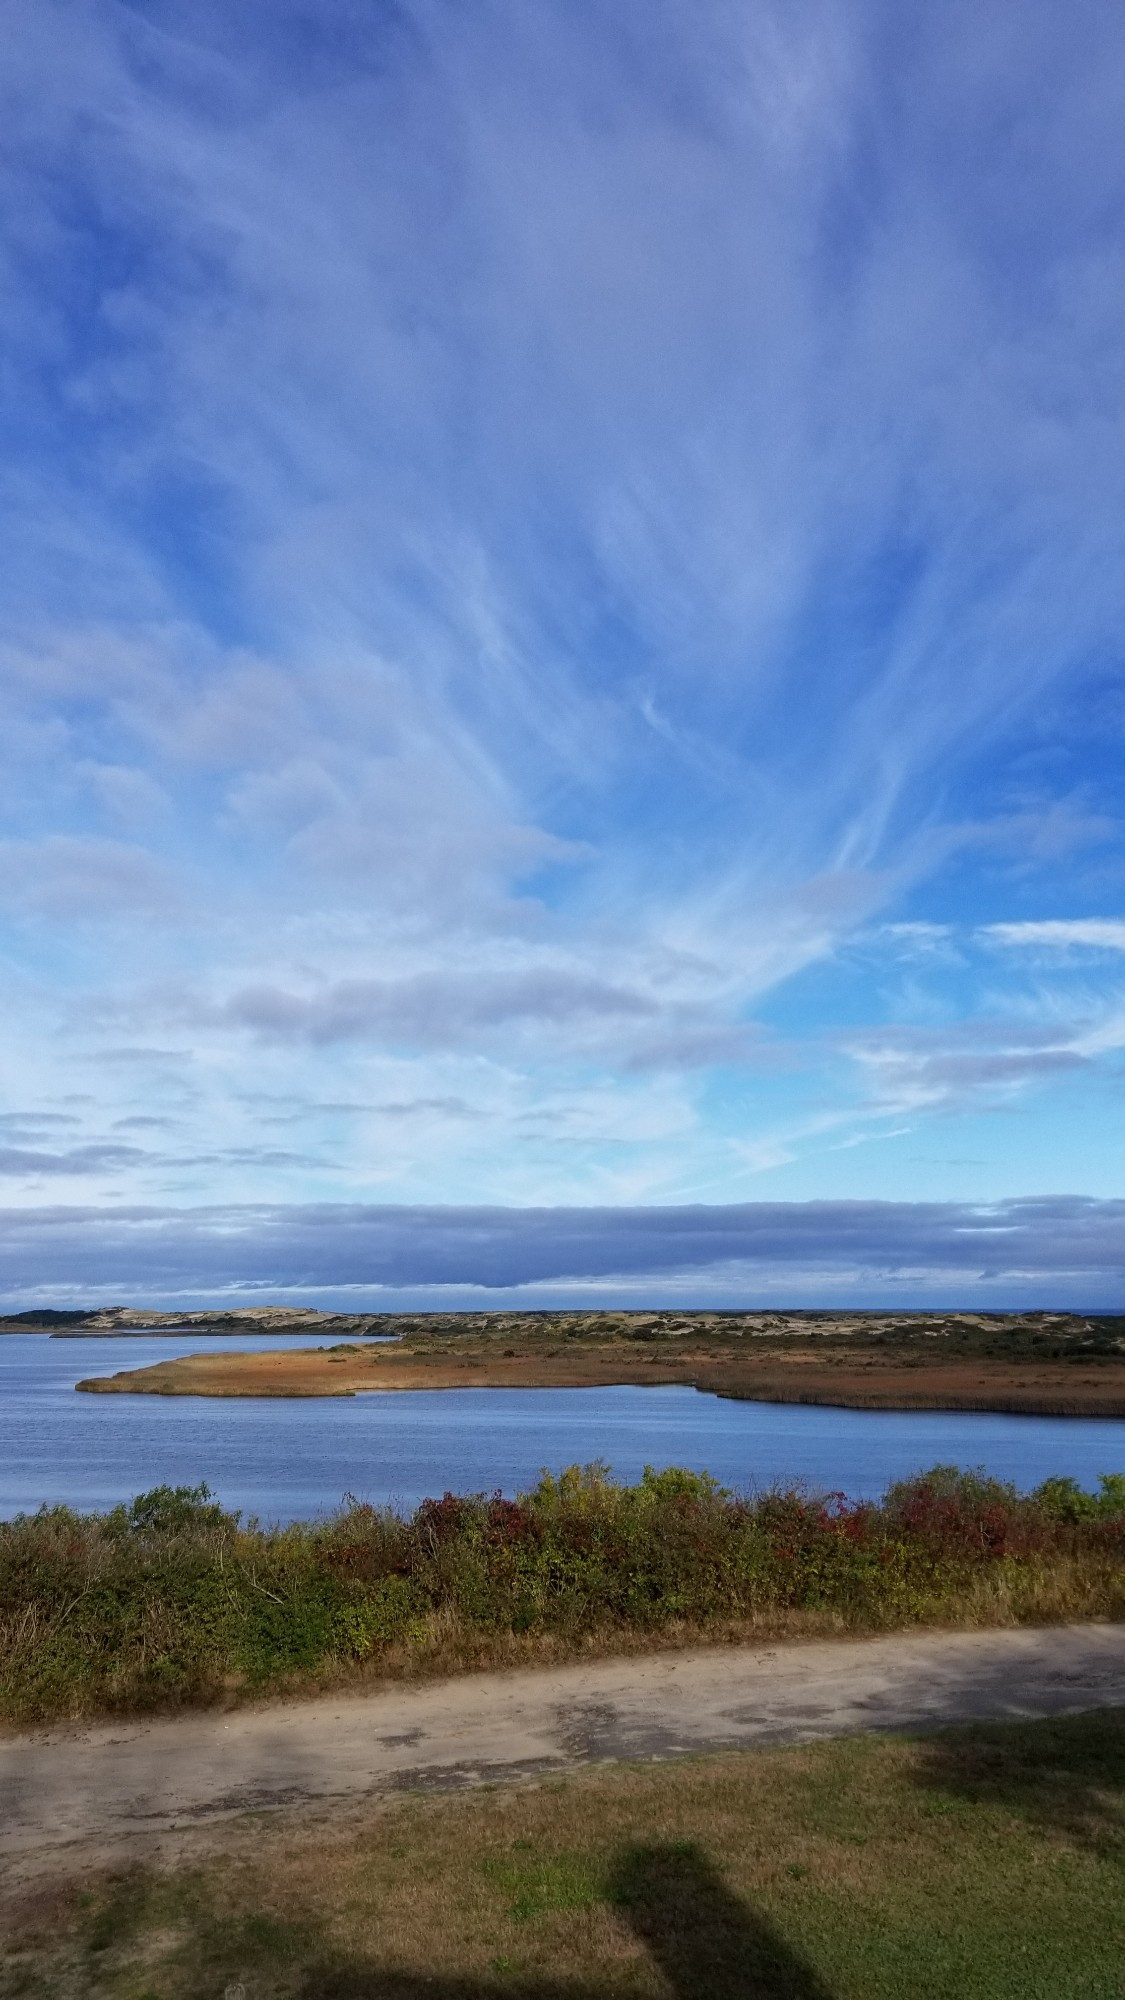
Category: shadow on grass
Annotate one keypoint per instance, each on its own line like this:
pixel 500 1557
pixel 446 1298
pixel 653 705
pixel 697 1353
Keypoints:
pixel 1065 1776
pixel 706 1942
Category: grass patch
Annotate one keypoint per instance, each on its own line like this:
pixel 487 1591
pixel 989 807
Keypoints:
pixel 985 1862
pixel 536 1883
pixel 172 1600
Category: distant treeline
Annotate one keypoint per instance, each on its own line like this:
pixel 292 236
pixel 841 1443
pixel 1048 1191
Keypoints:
pixel 42 1316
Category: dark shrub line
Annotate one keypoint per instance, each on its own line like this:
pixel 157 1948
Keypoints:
pixel 173 1599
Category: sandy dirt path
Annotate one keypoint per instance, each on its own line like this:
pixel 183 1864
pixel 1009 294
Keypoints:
pixel 109 1781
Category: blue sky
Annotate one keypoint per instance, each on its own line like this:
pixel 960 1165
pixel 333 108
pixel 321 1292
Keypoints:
pixel 560 641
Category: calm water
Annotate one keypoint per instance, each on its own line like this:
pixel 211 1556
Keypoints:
pixel 290 1460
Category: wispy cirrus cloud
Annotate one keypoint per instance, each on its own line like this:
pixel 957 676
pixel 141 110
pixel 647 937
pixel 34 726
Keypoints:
pixel 561 565
pixel 916 1070
pixel 1059 934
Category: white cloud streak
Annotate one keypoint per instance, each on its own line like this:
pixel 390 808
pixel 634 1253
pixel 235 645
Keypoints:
pixel 1061 934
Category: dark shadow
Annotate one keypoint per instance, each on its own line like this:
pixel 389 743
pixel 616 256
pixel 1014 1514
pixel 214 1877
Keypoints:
pixel 1064 1776
pixel 707 1942
pixel 369 1983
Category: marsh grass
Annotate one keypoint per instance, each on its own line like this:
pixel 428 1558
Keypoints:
pixel 172 1600
pixel 983 1863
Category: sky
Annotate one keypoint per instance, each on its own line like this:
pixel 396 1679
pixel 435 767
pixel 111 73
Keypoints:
pixel 560 651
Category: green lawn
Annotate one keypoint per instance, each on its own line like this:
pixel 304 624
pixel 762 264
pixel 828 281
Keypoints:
pixel 978 1864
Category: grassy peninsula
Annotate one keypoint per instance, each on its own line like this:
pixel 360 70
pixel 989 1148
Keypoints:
pixel 1047 1364
pixel 172 1600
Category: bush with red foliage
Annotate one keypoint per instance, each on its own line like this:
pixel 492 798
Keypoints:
pixel 173 1598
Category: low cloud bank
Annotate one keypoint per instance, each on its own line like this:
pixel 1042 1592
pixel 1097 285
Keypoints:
pixel 1064 1250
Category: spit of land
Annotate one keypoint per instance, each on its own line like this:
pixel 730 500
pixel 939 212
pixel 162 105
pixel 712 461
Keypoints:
pixel 1045 1364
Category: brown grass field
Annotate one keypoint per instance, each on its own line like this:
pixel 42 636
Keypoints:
pixel 1033 1364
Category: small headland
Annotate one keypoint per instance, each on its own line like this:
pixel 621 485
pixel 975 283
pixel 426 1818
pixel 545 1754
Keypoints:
pixel 1033 1364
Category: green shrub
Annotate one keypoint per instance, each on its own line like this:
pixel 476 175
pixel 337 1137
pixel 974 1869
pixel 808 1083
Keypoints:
pixel 173 1599
pixel 1065 1500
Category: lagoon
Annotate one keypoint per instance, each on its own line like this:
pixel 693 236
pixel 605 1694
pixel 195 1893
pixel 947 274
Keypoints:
pixel 294 1460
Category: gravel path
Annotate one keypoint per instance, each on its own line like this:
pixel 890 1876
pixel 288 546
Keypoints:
pixel 109 1781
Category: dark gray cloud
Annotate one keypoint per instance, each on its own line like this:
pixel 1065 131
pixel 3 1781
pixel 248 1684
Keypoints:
pixel 25 1121
pixel 1063 1249
pixel 432 1009
pixel 427 1107
pixel 18 1161
pixel 82 879
pixel 448 1011
pixel 126 1056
